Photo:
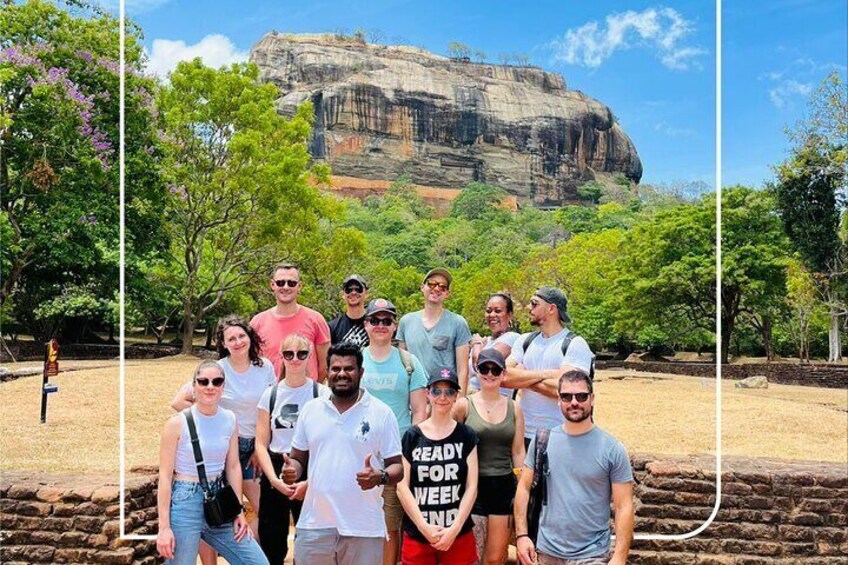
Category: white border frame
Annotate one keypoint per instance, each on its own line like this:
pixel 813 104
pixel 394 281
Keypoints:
pixel 121 278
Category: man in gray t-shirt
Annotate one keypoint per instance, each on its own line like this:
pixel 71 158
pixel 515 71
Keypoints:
pixel 587 468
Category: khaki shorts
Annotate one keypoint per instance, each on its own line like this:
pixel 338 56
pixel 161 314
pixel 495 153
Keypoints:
pixel 392 508
pixel 545 559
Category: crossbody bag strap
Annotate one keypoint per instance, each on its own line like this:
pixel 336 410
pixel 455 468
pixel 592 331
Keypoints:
pixel 198 455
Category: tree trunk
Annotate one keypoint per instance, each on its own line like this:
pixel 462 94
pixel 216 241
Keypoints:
pixel 209 331
pixel 188 329
pixel 727 330
pixel 768 342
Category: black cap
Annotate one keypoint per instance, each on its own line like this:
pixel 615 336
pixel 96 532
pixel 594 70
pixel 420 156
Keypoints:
pixel 355 278
pixel 491 355
pixel 555 296
pixel 444 376
pixel 380 305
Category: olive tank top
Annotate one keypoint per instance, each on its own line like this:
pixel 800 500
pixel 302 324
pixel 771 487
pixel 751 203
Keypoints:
pixel 494 450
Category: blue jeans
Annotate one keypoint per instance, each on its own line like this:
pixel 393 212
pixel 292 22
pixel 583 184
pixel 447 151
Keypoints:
pixel 190 527
pixel 246 447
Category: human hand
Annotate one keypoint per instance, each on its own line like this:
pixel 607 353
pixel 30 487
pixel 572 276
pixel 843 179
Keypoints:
pixel 299 490
pixel 240 527
pixel 446 538
pixel 615 560
pixel 257 468
pixel 165 543
pixel 526 550
pixel 369 477
pixel 432 533
pixel 278 484
pixel 289 472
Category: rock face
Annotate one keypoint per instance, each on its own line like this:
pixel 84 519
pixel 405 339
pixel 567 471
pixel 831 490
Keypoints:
pixel 753 382
pixel 382 112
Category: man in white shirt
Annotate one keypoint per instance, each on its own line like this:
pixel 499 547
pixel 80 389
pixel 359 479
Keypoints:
pixel 537 360
pixel 342 441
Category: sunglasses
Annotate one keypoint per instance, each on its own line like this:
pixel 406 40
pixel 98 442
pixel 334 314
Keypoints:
pixel 351 289
pixel 203 381
pixel 579 396
pixel 436 284
pixel 489 368
pixel 283 282
pixel 288 355
pixel 449 392
pixel 375 321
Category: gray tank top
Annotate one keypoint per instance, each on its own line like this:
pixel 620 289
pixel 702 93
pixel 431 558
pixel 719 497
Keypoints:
pixel 494 450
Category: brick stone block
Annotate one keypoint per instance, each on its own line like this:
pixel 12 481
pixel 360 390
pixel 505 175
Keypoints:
pixel 815 505
pixel 105 495
pixel 796 533
pixel 50 494
pixel 64 509
pixel 78 494
pixel 73 539
pixel 88 508
pixel 72 555
pixel 737 488
pixel 751 547
pixel 806 519
pixel 21 492
pixel 98 540
pixel 89 524
pixel 112 528
pixel 831 535
pixel 113 510
pixel 799 548
pixel 38 553
pixel 32 508
pixel 57 524
pixel 123 556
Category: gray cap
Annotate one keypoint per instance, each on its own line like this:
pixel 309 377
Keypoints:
pixel 555 296
pixel 355 278
pixel 380 305
pixel 438 271
pixel 444 376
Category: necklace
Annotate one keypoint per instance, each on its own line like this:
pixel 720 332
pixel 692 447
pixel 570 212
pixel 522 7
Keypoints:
pixel 486 407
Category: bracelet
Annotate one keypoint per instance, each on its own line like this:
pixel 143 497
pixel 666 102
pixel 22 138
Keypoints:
pixel 517 536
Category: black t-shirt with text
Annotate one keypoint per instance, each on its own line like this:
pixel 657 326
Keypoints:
pixel 439 470
pixel 344 328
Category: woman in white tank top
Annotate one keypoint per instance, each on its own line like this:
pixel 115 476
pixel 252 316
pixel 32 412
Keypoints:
pixel 180 497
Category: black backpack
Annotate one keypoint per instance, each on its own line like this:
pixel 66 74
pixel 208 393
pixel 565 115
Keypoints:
pixel 566 342
pixel 539 487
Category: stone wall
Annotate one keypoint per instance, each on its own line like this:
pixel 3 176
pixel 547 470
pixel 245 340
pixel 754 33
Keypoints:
pixel 772 512
pixel 61 518
pixel 821 375
pixel 32 351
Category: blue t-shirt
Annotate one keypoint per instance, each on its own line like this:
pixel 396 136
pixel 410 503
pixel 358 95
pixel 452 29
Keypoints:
pixel 389 382
pixel 436 347
pixel 575 522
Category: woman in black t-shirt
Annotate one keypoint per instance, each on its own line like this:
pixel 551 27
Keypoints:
pixel 439 482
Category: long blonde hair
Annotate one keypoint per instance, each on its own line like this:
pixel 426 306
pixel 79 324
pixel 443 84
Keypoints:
pixel 294 341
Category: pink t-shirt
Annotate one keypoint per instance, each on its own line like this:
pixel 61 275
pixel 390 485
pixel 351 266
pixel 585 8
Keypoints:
pixel 273 329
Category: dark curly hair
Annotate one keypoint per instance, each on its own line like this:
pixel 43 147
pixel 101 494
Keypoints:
pixel 233 321
pixel 510 308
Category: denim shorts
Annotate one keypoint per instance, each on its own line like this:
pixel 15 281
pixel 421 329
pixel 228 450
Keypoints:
pixel 246 448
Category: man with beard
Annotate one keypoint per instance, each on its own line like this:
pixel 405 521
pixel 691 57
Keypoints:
pixel 539 358
pixel 350 445
pixel 350 324
pixel 586 469
pixel 287 318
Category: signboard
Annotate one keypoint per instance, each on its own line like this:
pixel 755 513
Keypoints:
pixel 51 369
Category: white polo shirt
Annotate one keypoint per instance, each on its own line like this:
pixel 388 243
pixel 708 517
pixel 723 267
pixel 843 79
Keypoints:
pixel 337 445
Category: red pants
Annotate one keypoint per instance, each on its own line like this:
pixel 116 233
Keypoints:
pixel 462 552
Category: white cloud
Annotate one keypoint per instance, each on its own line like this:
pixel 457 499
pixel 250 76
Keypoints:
pixel 671 131
pixel 786 90
pixel 214 50
pixel 660 29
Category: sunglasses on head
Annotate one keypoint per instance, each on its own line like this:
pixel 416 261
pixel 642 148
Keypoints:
pixel 489 368
pixel 288 355
pixel 351 289
pixel 449 392
pixel 436 284
pixel 216 382
pixel 375 321
pixel 283 282
pixel 579 396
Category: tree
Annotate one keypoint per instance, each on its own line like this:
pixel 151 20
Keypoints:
pixel 478 200
pixel 59 98
pixel 480 56
pixel 241 188
pixel 457 50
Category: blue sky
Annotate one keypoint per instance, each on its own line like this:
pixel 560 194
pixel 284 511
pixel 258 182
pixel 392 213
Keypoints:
pixel 652 63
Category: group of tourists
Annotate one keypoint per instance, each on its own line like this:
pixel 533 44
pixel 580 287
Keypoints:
pixel 388 438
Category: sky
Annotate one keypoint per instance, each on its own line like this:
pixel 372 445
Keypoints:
pixel 652 63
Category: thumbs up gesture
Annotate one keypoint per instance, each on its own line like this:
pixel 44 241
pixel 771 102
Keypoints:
pixel 289 473
pixel 369 477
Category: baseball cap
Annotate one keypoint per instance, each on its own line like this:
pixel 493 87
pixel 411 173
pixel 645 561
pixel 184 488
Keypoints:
pixel 555 296
pixel 355 278
pixel 380 305
pixel 444 376
pixel 438 271
pixel 491 355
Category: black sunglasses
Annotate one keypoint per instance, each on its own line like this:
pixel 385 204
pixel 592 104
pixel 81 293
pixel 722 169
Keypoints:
pixel 579 396
pixel 203 381
pixel 283 282
pixel 351 289
pixel 375 321
pixel 449 392
pixel 288 355
pixel 487 368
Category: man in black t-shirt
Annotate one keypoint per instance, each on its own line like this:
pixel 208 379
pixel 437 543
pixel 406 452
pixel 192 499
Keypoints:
pixel 350 325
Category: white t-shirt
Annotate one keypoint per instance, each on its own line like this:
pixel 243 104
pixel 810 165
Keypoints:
pixel 214 433
pixel 287 408
pixel 243 390
pixel 337 445
pixel 545 353
pixel 508 339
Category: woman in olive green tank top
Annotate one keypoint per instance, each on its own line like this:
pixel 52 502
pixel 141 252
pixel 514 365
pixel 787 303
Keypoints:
pixel 499 424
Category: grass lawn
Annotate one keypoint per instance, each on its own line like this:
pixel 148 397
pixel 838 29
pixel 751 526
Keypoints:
pixel 648 412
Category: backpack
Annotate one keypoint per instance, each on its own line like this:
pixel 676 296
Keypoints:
pixel 566 342
pixel 539 486
pixel 406 359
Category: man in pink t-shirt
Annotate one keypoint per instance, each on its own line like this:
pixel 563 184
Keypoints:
pixel 287 318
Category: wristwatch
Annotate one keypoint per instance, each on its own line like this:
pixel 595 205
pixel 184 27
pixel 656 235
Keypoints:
pixel 384 477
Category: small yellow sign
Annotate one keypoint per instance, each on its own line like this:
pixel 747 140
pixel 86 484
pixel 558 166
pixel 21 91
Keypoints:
pixel 51 361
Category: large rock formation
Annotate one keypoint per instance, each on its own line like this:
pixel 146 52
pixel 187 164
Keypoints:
pixel 383 111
